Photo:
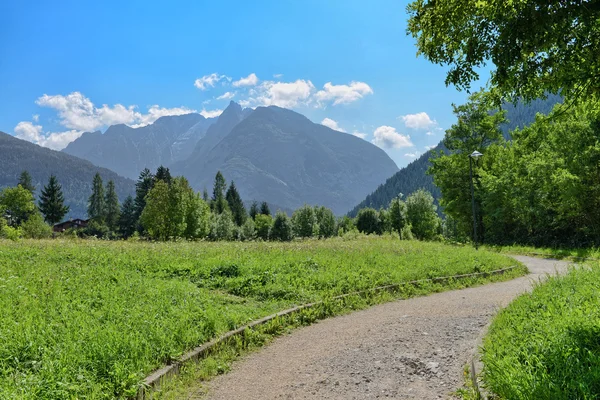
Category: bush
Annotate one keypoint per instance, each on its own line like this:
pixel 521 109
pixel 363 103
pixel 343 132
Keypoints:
pixel 345 224
pixel 304 222
pixel 422 215
pixel 222 226
pixel 248 231
pixel 36 228
pixel 282 228
pixel 95 229
pixel 367 221
pixel 263 226
pixel 11 233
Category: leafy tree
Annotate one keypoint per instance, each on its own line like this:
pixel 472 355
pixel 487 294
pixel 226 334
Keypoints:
pixel 263 225
pixel 127 217
pixel 17 203
pixel 112 206
pixel 155 217
pixel 236 205
pixel 97 202
pixel 304 222
pixel 222 226
pixel 163 174
pixel 345 224
pixel 325 221
pixel 219 204
pixel 282 228
pixel 144 184
pixel 422 215
pixel 35 227
pixel 264 208
pixel 398 214
pixel 248 231
pixel 52 202
pixel 26 182
pixel 536 46
pixel 197 217
pixel 367 221
pixel 385 221
pixel 254 210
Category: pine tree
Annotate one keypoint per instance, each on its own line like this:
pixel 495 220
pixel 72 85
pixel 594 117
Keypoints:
pixel 127 218
pixel 218 203
pixel 163 174
pixel 25 181
pixel 52 202
pixel 205 195
pixel 264 208
pixel 112 206
pixel 142 187
pixel 254 210
pixel 96 202
pixel 236 205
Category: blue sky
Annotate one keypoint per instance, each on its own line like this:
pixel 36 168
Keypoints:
pixel 71 66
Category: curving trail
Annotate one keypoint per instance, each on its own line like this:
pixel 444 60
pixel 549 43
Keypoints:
pixel 407 349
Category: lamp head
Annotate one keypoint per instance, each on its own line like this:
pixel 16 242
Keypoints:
pixel 475 154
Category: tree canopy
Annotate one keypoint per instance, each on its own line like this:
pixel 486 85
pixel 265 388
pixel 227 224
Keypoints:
pixel 52 202
pixel 536 46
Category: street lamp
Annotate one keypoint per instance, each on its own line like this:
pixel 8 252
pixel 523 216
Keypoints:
pixel 475 155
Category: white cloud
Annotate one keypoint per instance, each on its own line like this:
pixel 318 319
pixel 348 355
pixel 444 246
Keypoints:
pixel 284 94
pixel 418 121
pixel 33 133
pixel 359 134
pixel 328 122
pixel 386 137
pixel 429 133
pixel 35 117
pixel 78 113
pixel 277 76
pixel 226 96
pixel 412 155
pixel 250 80
pixel 430 147
pixel 343 94
pixel 209 81
pixel 211 113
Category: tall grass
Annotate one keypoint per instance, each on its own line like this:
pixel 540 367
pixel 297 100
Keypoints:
pixel 546 345
pixel 89 319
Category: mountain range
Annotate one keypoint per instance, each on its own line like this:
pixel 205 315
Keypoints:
pixel 273 154
pixel 74 174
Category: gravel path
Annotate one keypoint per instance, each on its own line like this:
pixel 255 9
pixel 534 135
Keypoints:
pixel 407 349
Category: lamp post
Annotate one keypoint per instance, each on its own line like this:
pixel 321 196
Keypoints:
pixel 475 155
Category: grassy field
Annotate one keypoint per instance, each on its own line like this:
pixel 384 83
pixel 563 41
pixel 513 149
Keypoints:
pixel 89 319
pixel 546 344
pixel 565 253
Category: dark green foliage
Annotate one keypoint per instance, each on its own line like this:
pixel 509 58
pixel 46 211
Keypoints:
pixel 163 174
pixel 26 182
pixel 385 221
pixel 52 202
pixel 345 224
pixel 264 208
pixel 16 204
pixel 127 218
pixel 205 195
pixel 236 205
pixel 254 210
pixel 325 222
pixel 142 187
pixel 367 221
pixel 74 174
pixel 282 228
pixel 422 215
pixel 112 206
pixel 535 46
pixel 218 203
pixel 398 214
pixel 97 202
pixel 304 222
pixel 545 345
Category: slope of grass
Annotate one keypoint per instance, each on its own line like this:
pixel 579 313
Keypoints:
pixel 91 319
pixel 546 345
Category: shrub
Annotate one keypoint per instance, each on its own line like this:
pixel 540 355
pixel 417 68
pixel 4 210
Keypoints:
pixel 248 230
pixel 36 228
pixel 282 228
pixel 367 221
pixel 263 226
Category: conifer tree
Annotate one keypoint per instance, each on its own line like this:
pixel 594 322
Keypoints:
pixel 52 202
pixel 96 202
pixel 142 187
pixel 25 181
pixel 163 174
pixel 127 218
pixel 236 205
pixel 112 206
pixel 205 195
pixel 219 204
pixel 254 210
pixel 264 208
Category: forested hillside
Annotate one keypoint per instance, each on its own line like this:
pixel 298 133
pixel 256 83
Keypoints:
pixel 414 176
pixel 74 174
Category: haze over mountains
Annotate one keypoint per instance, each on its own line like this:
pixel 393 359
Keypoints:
pixel 271 153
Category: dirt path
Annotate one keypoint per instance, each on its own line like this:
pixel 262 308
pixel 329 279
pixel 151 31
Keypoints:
pixel 408 349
